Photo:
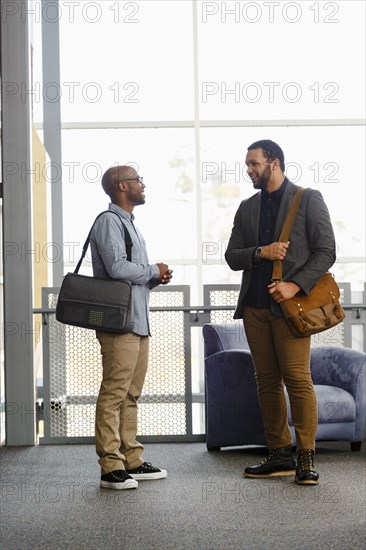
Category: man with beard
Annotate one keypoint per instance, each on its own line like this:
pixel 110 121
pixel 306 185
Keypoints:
pixel 279 358
pixel 124 356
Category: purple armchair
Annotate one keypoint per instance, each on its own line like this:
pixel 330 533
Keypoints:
pixel 232 410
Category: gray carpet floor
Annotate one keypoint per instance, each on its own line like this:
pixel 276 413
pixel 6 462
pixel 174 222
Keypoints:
pixel 50 499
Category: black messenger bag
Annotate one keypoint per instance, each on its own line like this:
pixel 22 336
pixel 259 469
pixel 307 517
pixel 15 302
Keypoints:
pixel 98 304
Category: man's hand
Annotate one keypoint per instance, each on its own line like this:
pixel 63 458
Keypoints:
pixel 283 291
pixel 165 274
pixel 275 251
pixel 167 277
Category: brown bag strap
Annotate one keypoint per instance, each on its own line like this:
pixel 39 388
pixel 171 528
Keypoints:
pixel 285 233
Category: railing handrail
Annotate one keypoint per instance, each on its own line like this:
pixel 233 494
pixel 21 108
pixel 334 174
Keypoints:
pixel 198 309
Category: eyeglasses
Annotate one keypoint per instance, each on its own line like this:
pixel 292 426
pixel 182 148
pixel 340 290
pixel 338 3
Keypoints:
pixel 140 179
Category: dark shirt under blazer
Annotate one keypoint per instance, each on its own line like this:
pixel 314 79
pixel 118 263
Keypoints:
pixel 312 245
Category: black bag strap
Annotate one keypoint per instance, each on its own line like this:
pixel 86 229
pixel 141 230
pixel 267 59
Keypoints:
pixel 128 240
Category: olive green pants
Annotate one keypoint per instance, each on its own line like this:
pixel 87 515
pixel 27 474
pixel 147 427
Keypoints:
pixel 282 359
pixel 125 359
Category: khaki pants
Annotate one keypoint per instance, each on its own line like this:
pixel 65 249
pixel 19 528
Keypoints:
pixel 125 358
pixel 280 358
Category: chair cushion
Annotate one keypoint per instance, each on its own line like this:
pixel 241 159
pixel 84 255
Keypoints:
pixel 334 405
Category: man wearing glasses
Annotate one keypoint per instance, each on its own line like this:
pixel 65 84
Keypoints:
pixel 124 356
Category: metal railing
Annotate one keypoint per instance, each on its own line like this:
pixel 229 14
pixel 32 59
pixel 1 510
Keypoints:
pixel 171 407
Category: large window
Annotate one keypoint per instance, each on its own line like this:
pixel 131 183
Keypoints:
pixel 126 61
pixel 281 60
pixel 181 88
pixel 165 158
pixel 317 157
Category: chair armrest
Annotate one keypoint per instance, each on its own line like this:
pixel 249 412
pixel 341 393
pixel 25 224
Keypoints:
pixel 232 358
pixel 231 373
pixel 230 380
pixel 341 367
pixel 346 369
pixel 233 413
pixel 223 336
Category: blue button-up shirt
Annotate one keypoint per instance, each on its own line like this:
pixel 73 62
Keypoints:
pixel 109 260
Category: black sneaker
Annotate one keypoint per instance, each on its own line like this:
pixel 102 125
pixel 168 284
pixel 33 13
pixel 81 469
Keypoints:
pixel 118 479
pixel 279 463
pixel 305 473
pixel 147 471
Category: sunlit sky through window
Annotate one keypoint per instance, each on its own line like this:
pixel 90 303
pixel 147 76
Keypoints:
pixel 211 78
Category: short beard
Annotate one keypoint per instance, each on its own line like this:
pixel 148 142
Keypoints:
pixel 262 182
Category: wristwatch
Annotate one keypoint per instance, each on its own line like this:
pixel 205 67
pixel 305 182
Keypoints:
pixel 258 253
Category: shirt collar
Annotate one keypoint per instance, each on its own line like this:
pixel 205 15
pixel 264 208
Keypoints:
pixel 123 213
pixel 276 195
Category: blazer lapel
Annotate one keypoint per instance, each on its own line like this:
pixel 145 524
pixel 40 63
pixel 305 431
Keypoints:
pixel 254 218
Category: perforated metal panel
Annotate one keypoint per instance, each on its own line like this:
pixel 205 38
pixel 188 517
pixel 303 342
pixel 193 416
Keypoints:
pixel 163 407
pixel 72 376
pixel 73 372
pixel 221 296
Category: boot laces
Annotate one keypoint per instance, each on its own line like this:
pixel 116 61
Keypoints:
pixel 271 454
pixel 305 459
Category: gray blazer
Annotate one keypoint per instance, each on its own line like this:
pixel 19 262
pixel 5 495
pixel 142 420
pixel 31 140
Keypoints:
pixel 312 245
